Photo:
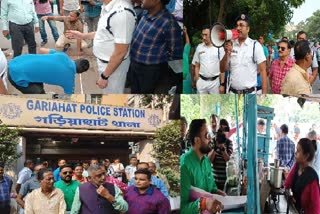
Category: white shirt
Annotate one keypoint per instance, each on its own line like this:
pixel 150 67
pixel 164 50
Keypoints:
pixel 209 60
pixel 122 25
pixel 24 175
pixel 314 62
pixel 3 68
pixel 243 71
pixel 71 5
pixel 178 9
pixel 130 169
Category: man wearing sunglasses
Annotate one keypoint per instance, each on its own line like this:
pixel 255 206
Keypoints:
pixel 196 172
pixel 242 58
pixel 281 66
pixel 67 185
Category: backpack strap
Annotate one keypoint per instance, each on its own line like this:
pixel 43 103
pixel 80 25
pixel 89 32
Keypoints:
pixel 108 27
pixel 254 49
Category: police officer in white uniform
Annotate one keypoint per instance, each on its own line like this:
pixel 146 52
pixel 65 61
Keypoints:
pixel 207 64
pixel 111 43
pixel 242 58
pixel 313 70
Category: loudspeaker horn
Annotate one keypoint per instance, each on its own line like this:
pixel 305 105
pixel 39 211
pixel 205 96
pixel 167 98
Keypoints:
pixel 219 34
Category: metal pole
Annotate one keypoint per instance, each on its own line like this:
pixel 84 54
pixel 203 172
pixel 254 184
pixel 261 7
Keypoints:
pixel 253 199
pixel 238 140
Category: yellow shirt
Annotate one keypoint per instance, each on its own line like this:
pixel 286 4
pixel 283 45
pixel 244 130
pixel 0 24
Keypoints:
pixel 296 82
pixel 39 203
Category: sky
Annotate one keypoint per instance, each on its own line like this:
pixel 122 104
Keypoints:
pixel 305 10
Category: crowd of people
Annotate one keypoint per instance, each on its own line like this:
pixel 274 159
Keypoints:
pixel 95 187
pixel 296 152
pixel 206 151
pixel 245 65
pixel 134 42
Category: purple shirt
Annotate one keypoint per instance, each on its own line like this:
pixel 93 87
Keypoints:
pixel 42 9
pixel 150 202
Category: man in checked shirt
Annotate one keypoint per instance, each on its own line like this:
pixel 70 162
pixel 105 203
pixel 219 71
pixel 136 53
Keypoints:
pixel 156 40
pixel 285 149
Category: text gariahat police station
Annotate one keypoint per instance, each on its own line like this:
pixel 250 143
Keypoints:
pixel 54 129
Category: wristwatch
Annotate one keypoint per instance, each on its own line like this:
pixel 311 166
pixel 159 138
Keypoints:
pixel 222 84
pixel 104 77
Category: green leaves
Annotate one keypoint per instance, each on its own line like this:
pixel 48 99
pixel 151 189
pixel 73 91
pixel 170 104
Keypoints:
pixel 266 16
pixel 8 144
pixel 166 149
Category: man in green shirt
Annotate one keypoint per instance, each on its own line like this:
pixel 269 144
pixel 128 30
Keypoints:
pixel 67 185
pixel 196 171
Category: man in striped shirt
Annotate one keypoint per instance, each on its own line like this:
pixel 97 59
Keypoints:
pixel 220 155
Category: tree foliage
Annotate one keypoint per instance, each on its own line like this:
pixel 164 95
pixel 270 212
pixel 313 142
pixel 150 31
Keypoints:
pixel 195 106
pixel 266 16
pixel 156 101
pixel 166 149
pixel 287 109
pixel 190 107
pixel 312 26
pixel 8 144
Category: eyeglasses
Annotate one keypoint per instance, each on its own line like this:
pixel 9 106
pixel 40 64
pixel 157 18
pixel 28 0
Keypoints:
pixel 282 48
pixel 207 136
pixel 241 26
pixel 67 172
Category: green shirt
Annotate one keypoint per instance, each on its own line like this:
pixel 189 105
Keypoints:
pixel 186 52
pixel 187 88
pixel 68 191
pixel 120 204
pixel 197 173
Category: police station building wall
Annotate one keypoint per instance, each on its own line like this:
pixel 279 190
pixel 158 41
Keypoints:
pixel 48 116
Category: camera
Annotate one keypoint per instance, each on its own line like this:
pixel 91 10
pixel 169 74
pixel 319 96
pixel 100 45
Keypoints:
pixel 221 137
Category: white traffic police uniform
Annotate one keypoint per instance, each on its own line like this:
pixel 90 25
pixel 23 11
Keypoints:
pixel 116 25
pixel 243 65
pixel 209 59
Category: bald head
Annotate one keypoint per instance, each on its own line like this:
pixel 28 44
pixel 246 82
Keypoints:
pixel 152 167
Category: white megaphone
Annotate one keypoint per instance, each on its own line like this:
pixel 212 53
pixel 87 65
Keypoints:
pixel 219 34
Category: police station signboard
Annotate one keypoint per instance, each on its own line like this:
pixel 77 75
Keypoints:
pixel 30 112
